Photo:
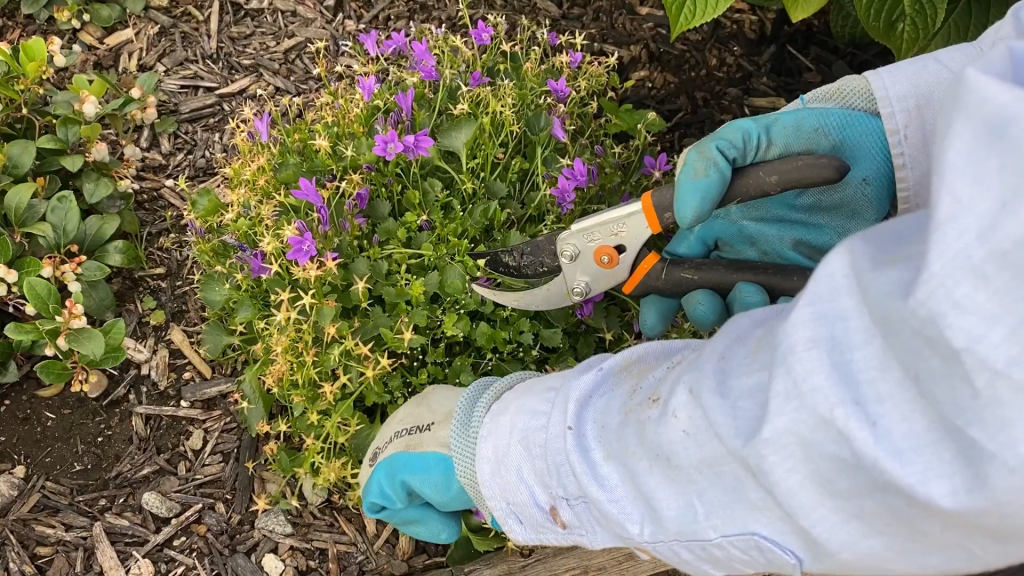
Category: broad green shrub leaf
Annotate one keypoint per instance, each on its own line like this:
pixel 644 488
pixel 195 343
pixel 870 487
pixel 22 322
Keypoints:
pixel 54 372
pixel 6 351
pixel 101 15
pixel 113 332
pixel 43 296
pixel 110 359
pixel 6 248
pixel 846 26
pixel 17 199
pixel 88 341
pixel 98 229
pixel 148 82
pixel 119 253
pixel 686 14
pixel 19 154
pixel 27 267
pixel 63 215
pixel 33 211
pixel 30 6
pixel 8 372
pixel 215 290
pixel 965 20
pixel 457 135
pixel 215 339
pixel 486 540
pixel 69 130
pixel 551 337
pixel 51 142
pixel 98 299
pixel 20 331
pixel 93 270
pixel 96 186
pixel 92 131
pixel 205 203
pixel 538 124
pixel 378 209
pixel 462 552
pixel 800 9
pixel 40 229
pixel 32 55
pixel 904 26
pixel 129 221
pixel 135 6
pixel 256 398
pixel 73 162
pixel 453 281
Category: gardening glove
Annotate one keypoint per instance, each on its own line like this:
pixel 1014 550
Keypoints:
pixel 420 472
pixel 796 227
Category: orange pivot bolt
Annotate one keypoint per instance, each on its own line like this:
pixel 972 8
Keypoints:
pixel 606 257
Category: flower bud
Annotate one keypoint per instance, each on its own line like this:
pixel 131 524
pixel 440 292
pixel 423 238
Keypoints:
pixel 132 151
pixel 50 352
pixel 11 276
pixel 91 108
pixel 76 23
pixel 3 270
pixel 149 116
pixel 78 310
pixel 86 17
pixel 79 322
pixel 62 343
pixel 68 277
pixel 46 272
pixel 100 152
pixel 124 185
pixel 151 100
pixel 59 60
pixel 76 48
pixel 29 310
pixel 74 286
pixel 136 92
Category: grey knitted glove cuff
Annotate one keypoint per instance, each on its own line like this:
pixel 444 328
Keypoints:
pixel 850 92
pixel 466 423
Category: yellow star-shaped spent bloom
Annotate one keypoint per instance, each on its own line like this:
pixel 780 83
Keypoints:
pixel 407 335
pixel 364 349
pixel 384 362
pixel 260 503
pixel 370 371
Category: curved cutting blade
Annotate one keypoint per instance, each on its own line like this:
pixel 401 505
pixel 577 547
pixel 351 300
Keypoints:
pixel 550 296
pixel 531 260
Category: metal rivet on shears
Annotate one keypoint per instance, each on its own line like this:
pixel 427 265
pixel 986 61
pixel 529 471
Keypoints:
pixel 579 290
pixel 568 253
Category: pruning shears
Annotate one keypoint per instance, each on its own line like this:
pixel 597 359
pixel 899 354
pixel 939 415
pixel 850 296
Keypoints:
pixel 606 249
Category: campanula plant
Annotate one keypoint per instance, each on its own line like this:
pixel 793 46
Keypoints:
pixel 335 251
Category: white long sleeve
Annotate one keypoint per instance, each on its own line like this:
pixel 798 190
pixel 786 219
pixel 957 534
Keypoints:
pixel 873 426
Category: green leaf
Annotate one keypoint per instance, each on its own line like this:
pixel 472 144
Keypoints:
pixel 147 82
pixel 43 296
pixel 30 6
pixel 686 14
pixel 91 131
pixel 8 372
pixel 34 210
pixel 846 26
pixel 119 253
pixel 72 162
pixel 215 339
pixel 6 248
pixel 88 341
pixel 486 540
pixel 453 281
pixel 245 310
pixel 110 358
pixel 93 270
pixel 215 290
pixel 20 155
pixel 905 26
pixel 98 229
pixel 800 9
pixel 98 299
pixel 96 186
pixel 496 189
pixel 51 142
pixel 256 398
pixel 17 199
pixel 538 124
pixel 205 203
pixel 20 331
pixel 157 318
pixel 456 136
pixel 462 552
pixel 54 372
pixel 965 20
pixel 101 15
pixel 135 6
pixel 165 125
pixel 378 209
pixel 149 303
pixel 113 332
pixel 40 229
pixel 27 267
pixel 482 335
pixel 6 351
pixel 69 129
pixel 362 438
pixel 63 214
pixel 551 337
pixel 129 221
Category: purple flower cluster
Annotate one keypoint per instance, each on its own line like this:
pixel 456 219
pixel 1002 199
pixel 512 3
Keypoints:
pixel 421 53
pixel 575 58
pixel 558 127
pixel 307 191
pixel 656 167
pixel 559 90
pixel 303 245
pixel 389 145
pixel 579 175
pixel 481 34
pixel 477 78
pixel 367 86
pixel 395 43
pixel 257 269
pixel 369 42
pixel 262 125
pixel 404 101
pixel 553 38
pixel 586 307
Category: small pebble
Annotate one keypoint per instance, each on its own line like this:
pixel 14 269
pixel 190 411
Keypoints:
pixel 167 484
pixel 275 522
pixel 195 441
pixel 398 568
pixel 10 487
pixel 160 506
pixel 272 565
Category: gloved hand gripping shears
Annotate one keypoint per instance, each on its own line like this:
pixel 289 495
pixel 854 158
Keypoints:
pixel 606 250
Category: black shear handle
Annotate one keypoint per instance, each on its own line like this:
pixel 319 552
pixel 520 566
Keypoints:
pixel 754 182
pixel 677 277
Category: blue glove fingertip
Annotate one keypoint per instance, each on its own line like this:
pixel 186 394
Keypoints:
pixel 656 314
pixel 746 296
pixel 705 309
pixel 784 300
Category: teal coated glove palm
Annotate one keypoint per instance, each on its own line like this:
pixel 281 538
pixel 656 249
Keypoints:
pixel 408 477
pixel 796 227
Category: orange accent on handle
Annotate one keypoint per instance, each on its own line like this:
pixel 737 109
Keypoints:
pixel 640 272
pixel 647 202
pixel 608 252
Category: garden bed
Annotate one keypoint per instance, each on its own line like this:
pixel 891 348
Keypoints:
pixel 91 460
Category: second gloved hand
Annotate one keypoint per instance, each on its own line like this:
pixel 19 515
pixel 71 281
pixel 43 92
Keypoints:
pixel 796 227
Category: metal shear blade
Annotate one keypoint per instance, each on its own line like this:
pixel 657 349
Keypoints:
pixel 531 260
pixel 550 296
